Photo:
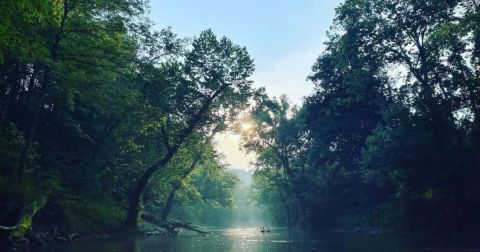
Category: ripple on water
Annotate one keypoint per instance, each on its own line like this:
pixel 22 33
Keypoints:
pixel 279 240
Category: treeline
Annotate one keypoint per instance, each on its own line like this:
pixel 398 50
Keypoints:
pixel 103 117
pixel 390 138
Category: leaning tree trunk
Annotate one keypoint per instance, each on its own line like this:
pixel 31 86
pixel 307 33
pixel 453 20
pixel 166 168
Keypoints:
pixel 170 200
pixel 136 194
pixel 176 187
pixel 24 227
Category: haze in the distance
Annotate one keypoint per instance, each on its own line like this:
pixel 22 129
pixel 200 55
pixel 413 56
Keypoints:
pixel 284 37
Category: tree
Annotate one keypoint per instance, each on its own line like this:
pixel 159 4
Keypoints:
pixel 60 62
pixel 389 135
pixel 350 93
pixel 279 139
pixel 211 83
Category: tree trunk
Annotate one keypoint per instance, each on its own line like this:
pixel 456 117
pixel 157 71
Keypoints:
pixel 169 204
pixel 24 226
pixel 136 194
pixel 176 187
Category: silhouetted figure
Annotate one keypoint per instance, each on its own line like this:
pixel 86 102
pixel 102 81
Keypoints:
pixel 263 230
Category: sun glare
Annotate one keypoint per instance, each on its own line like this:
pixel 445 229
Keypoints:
pixel 246 126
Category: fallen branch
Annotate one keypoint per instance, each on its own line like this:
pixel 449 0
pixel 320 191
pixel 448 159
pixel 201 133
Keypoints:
pixel 171 227
pixel 64 237
pixel 3 228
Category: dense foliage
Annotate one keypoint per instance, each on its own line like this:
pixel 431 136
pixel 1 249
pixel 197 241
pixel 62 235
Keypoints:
pixel 103 116
pixel 390 137
pixel 104 120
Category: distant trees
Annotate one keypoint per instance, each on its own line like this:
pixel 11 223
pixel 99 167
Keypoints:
pixel 278 141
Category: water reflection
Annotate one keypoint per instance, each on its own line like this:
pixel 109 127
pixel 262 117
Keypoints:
pixel 278 240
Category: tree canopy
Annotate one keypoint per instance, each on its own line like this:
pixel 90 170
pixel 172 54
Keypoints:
pixel 389 138
pixel 96 104
pixel 106 120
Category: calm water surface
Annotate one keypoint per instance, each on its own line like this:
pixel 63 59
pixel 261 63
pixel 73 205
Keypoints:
pixel 252 239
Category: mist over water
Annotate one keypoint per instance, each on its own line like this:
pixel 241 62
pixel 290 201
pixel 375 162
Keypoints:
pixel 246 213
pixel 240 231
pixel 282 240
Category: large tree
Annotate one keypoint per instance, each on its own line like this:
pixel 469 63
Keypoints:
pixel 210 83
pixel 350 92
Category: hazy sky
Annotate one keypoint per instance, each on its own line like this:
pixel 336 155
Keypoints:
pixel 283 36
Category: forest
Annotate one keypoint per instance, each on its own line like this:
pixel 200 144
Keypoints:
pixel 391 136
pixel 108 124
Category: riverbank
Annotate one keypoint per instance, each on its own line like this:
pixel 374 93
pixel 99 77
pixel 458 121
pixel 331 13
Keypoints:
pixel 68 220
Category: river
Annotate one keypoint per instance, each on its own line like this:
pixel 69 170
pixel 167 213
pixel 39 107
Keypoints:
pixel 251 239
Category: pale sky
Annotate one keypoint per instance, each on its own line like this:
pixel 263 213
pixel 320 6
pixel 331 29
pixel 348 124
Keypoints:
pixel 284 37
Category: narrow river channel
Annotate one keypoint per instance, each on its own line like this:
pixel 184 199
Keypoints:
pixel 251 239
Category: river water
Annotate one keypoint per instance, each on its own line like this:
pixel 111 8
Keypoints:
pixel 251 239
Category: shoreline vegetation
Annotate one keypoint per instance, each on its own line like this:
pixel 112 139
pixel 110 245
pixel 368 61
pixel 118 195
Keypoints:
pixel 107 123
